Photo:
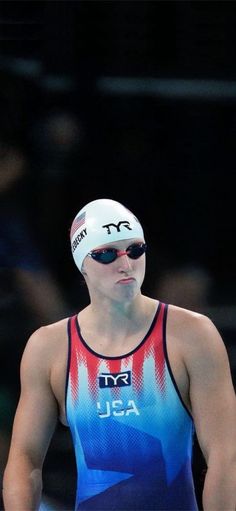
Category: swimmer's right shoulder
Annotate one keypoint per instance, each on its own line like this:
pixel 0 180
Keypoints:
pixel 47 340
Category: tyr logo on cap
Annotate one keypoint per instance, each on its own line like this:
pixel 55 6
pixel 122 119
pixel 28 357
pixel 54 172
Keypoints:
pixel 123 223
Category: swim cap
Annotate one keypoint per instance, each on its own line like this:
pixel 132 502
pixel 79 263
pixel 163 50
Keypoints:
pixel 99 222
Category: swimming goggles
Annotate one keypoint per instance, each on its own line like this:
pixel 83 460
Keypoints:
pixel 108 255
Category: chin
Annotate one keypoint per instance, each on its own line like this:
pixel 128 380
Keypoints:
pixel 127 294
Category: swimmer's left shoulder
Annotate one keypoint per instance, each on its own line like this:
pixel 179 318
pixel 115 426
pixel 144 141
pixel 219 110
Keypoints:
pixel 192 325
pixel 179 314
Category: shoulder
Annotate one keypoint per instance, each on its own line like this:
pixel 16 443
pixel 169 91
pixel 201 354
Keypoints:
pixel 197 336
pixel 189 323
pixel 44 345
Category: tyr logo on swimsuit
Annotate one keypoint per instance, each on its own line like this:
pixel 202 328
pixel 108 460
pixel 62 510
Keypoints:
pixel 114 379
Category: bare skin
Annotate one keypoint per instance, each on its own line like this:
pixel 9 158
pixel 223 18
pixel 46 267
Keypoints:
pixel 114 324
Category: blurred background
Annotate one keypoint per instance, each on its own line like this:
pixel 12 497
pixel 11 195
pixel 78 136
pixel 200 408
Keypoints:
pixel 132 100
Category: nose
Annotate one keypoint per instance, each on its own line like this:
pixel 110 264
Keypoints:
pixel 124 261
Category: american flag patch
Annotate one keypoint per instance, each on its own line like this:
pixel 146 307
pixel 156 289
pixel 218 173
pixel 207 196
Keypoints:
pixel 78 222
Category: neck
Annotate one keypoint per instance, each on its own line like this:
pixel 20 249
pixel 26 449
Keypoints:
pixel 117 319
pixel 115 329
pixel 116 312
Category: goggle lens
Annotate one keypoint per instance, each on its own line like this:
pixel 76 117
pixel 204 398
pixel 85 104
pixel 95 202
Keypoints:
pixel 108 255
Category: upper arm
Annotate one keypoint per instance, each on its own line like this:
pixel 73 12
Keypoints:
pixel 212 394
pixel 36 414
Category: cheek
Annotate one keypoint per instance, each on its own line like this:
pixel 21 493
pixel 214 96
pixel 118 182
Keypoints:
pixel 140 270
pixel 96 273
pixel 143 269
pixel 142 264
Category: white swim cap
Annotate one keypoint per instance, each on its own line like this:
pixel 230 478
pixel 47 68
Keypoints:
pixel 99 222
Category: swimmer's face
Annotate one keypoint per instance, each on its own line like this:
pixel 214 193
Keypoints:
pixel 121 280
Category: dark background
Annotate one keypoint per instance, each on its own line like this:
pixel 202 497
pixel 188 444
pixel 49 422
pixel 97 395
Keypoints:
pixel 149 88
pixel 166 148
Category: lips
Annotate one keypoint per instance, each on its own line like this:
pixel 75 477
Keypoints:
pixel 128 280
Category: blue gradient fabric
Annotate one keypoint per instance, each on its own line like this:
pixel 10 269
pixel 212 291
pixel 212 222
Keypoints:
pixel 131 431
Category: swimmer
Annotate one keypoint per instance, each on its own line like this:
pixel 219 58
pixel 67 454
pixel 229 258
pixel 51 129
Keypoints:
pixel 131 377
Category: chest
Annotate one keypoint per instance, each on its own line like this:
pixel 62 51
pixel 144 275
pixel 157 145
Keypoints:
pixel 124 387
pixel 119 387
